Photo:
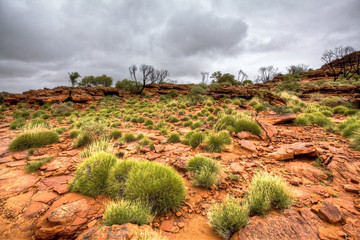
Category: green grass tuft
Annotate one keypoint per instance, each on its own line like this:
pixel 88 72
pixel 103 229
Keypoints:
pixel 215 142
pixel 33 140
pixel 174 138
pixel 92 174
pixel 33 166
pixel 124 211
pixel 206 171
pixel 228 218
pixel 268 191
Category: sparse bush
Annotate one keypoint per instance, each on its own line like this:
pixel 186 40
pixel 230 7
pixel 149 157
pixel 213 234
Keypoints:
pixel 340 109
pixel 206 171
pixel 317 118
pixel 82 139
pixel 237 124
pixel 174 138
pixel 33 166
pixel 156 185
pixel 331 101
pixel 148 122
pixel 355 140
pixel 92 174
pixel 61 109
pixel 97 146
pixel 215 142
pixel 196 124
pixel 33 140
pixel 124 211
pixel 74 133
pixel 115 134
pixel 21 114
pixel 268 191
pixel 172 119
pixel 60 130
pixel 302 120
pixel 129 137
pixel 17 123
pixel 37 114
pixel 350 112
pixel 194 138
pixel 228 218
pixel 350 129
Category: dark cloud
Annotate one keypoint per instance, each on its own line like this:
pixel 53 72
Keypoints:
pixel 41 41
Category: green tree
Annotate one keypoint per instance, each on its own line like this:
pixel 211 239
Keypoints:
pixel 87 80
pixel 103 80
pixel 73 78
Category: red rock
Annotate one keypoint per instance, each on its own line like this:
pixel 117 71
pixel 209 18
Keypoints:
pixel 247 145
pixel 354 231
pixel 280 226
pixel 181 225
pixel 44 197
pixel 17 183
pixel 180 163
pixel 159 148
pixel 178 213
pixel 61 188
pixel 351 188
pixel 236 167
pixel 35 208
pixel 124 232
pixel 290 151
pixel 328 212
pixel 153 156
pixel 17 203
pixel 247 135
pixel 67 212
pixel 52 181
pixel 278 118
pixel 20 155
pixel 167 225
pixel 16 163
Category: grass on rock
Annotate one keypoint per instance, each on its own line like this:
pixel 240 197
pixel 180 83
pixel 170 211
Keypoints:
pixel 33 139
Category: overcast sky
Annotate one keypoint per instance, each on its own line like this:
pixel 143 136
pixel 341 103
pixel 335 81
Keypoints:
pixel 42 40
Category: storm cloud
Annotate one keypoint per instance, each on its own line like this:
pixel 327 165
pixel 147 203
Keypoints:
pixel 41 40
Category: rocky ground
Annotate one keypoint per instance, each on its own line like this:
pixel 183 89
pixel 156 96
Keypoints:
pixel 323 171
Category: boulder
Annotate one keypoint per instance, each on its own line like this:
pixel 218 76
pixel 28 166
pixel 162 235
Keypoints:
pixel 291 151
pixel 327 211
pixel 281 226
pixel 278 118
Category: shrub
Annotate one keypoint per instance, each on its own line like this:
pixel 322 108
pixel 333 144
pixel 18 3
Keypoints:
pixel 215 142
pixel 318 118
pixel 206 171
pixel 157 185
pixel 340 109
pixel 97 146
pixel 74 133
pixel 61 109
pixel 355 140
pixel 129 137
pixel 331 101
pixel 267 191
pixel 21 114
pixel 144 141
pixel 228 218
pixel 237 124
pixel 115 134
pixel 172 119
pixel 37 114
pixel 350 129
pixel 196 124
pixel 194 139
pixel 117 178
pixel 33 166
pixel 174 138
pixel 148 122
pixel 60 130
pixel 83 139
pixel 17 123
pixel 92 174
pixel 33 140
pixel 302 120
pixel 124 211
pixel 350 112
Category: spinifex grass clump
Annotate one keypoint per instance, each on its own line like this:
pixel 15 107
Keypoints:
pixel 102 145
pixel 229 217
pixel 33 166
pixel 215 142
pixel 92 174
pixel 317 118
pixel 17 123
pixel 124 211
pixel 194 138
pixel 355 140
pixel 268 191
pixel 117 177
pixel 156 185
pixel 206 171
pixel 237 124
pixel 174 138
pixel 33 139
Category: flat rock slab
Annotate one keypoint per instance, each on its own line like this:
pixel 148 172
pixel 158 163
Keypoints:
pixel 16 184
pixel 328 212
pixel 290 151
pixel 278 118
pixel 247 145
pixel 280 226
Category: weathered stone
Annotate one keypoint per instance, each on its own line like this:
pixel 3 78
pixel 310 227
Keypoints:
pixel 16 184
pixel 236 167
pixel 328 212
pixel 290 151
pixel 66 213
pixel 126 231
pixel 44 197
pixel 247 145
pixel 289 225
pixel 167 225
pixel 35 208
pixel 351 188
pixel 247 135
pixel 180 163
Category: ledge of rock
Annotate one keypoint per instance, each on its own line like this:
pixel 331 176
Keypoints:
pixel 278 118
pixel 126 231
pixel 291 151
pixel 302 225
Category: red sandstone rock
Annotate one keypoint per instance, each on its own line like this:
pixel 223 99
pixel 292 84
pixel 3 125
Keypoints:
pixel 328 212
pixel 278 118
pixel 290 151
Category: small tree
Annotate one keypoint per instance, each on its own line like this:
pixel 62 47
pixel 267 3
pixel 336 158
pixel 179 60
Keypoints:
pixel 204 77
pixel 149 75
pixel 266 74
pixel 103 80
pixel 73 78
pixel 298 69
pixel 87 81
pixel 242 76
pixel 344 59
pixel 215 76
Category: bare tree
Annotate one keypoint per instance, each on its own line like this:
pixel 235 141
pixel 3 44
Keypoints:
pixel 345 59
pixel 149 76
pixel 204 77
pixel 266 74
pixel 242 76
pixel 298 69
